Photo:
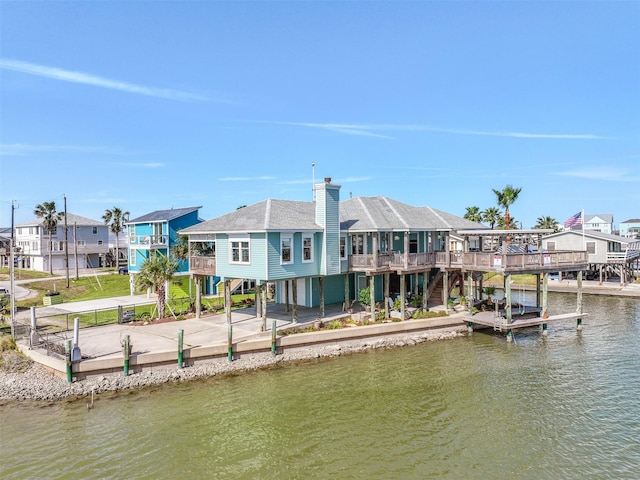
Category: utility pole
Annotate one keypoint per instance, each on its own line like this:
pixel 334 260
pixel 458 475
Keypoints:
pixel 12 295
pixel 66 240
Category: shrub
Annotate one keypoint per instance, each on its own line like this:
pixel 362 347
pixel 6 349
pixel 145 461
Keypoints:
pixel 334 325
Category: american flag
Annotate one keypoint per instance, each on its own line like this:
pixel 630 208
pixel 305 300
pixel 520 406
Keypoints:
pixel 573 220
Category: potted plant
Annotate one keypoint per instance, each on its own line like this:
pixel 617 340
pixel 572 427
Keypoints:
pixel 489 291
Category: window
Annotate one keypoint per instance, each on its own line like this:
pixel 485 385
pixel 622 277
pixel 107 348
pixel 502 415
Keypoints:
pixel 551 245
pixel 307 249
pixel 286 249
pixel 240 251
pixel 591 247
pixel 99 242
pixel 343 247
pixel 357 244
pixel 132 231
pixel 94 230
pixel 81 243
pixel 132 257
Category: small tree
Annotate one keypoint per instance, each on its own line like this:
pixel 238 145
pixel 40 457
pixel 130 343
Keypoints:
pixel 155 272
pixel 116 218
pixel 50 218
pixel 364 296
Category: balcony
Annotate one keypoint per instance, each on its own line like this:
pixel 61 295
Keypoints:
pixel 470 261
pixel 202 265
pixel 150 241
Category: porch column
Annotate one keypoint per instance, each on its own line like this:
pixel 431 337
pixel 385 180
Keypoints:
pixel 372 297
pixel 425 290
pixel 227 300
pixel 507 295
pixel 263 302
pixel 579 299
pixel 258 300
pixel 347 300
pixel 445 290
pixel 198 281
pixel 375 249
pixel 545 298
pixel 470 282
pixel 538 291
pixel 294 293
pixel 286 296
pixel 321 285
pixel 403 295
pixel 387 277
pixel 406 250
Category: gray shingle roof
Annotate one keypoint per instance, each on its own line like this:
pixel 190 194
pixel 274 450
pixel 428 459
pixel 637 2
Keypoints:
pixel 382 213
pixel 71 220
pixel 163 215
pixel 359 214
pixel 263 216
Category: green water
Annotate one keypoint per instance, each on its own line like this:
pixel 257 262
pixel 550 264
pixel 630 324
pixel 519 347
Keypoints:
pixel 563 407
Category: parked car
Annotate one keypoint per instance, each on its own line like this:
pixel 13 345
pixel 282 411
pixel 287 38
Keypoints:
pixel 123 271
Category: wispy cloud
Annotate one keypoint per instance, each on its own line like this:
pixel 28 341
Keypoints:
pixel 245 179
pixel 88 79
pixel 373 130
pixel 601 173
pixel 25 149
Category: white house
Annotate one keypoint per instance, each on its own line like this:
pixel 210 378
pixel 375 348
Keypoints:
pixel 87 244
pixel 630 228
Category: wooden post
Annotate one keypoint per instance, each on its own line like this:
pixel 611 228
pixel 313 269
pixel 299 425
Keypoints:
pixel 263 301
pixel 445 290
pixel 286 296
pixel 67 354
pixel 180 345
pixel 227 310
pixel 579 308
pixel 425 291
pixel 321 286
pixel 294 292
pixel 347 300
pixel 386 279
pixel 372 298
pixel 470 291
pixel 507 294
pixel 403 286
pixel 545 300
pixel 198 282
pixel 126 350
pixel 273 337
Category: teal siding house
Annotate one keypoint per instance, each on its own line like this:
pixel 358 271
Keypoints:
pixel 322 252
pixel 158 232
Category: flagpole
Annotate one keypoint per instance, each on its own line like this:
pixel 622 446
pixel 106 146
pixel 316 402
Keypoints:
pixel 584 247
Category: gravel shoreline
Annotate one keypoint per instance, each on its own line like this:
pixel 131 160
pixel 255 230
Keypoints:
pixel 39 384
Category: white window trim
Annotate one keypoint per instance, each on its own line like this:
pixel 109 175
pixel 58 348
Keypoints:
pixel 310 259
pixel 345 253
pixel 283 237
pixel 240 239
pixel 132 257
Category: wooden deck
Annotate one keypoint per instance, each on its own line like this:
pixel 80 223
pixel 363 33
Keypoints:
pixel 489 319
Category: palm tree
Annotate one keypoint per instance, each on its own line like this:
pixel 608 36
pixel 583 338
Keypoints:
pixel 50 218
pixel 547 222
pixel 502 223
pixel 506 198
pixel 155 272
pixel 474 214
pixel 116 218
pixel 491 216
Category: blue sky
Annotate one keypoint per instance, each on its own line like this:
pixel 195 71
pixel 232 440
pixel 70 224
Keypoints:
pixel 153 105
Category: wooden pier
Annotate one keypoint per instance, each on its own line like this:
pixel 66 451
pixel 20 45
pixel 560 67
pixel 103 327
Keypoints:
pixel 499 323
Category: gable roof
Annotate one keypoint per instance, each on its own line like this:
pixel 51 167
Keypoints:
pixel 631 220
pixel 71 220
pixel 366 214
pixel 268 215
pixel 163 215
pixel 594 235
pixel 606 217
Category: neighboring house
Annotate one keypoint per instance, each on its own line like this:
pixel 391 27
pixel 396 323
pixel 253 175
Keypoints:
pixel 87 244
pixel 158 232
pixel 5 246
pixel 630 228
pixel 602 222
pixel 607 254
